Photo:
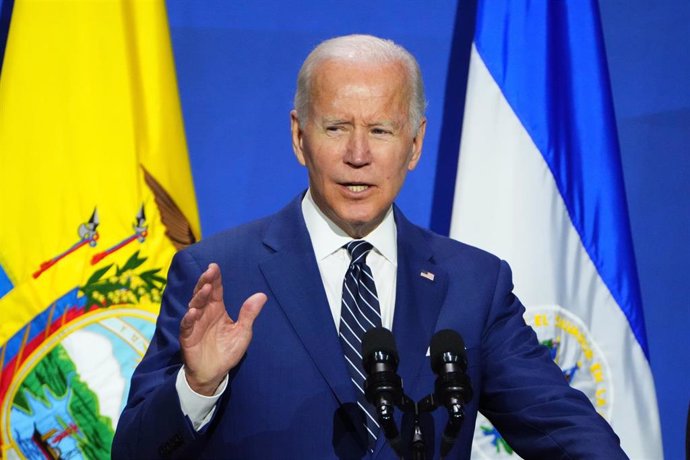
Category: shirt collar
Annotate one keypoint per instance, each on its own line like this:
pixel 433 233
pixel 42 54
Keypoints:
pixel 327 237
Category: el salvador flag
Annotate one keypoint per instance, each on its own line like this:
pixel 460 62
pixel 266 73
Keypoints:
pixel 540 184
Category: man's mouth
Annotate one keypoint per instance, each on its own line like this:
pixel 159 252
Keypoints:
pixel 357 187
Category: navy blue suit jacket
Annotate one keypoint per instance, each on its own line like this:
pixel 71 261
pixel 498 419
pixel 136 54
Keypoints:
pixel 291 396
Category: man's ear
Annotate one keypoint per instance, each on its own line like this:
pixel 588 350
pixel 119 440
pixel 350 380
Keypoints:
pixel 296 137
pixel 417 143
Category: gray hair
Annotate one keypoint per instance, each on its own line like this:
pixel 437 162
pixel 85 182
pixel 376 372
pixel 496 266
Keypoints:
pixel 362 48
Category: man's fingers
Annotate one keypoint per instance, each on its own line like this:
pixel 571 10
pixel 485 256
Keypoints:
pixel 201 296
pixel 200 282
pixel 216 282
pixel 251 309
pixel 210 276
pixel 187 323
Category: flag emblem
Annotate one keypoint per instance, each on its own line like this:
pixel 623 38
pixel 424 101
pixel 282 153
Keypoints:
pixel 428 275
pixel 573 348
pixel 105 182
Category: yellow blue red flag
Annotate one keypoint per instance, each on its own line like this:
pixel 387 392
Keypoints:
pixel 96 195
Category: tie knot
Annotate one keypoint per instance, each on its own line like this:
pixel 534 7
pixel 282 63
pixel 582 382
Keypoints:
pixel 358 250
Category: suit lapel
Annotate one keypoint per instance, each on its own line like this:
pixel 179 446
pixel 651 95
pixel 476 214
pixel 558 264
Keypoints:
pixel 421 289
pixel 293 276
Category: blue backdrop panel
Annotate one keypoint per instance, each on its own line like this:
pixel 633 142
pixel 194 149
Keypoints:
pixel 237 63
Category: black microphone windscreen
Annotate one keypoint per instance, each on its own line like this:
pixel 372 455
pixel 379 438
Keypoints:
pixel 379 339
pixel 447 341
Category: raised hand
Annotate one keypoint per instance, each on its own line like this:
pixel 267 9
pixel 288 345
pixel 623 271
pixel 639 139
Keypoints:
pixel 211 342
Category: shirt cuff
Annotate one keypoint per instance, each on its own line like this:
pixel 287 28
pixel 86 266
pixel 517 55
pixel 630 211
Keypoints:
pixel 198 408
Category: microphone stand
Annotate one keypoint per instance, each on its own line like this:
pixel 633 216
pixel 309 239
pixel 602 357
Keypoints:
pixel 418 448
pixel 456 415
pixel 389 391
pixel 390 430
pixel 408 406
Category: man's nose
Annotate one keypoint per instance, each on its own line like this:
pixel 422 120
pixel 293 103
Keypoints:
pixel 358 152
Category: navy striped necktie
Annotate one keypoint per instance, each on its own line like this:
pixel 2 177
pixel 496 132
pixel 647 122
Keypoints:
pixel 359 312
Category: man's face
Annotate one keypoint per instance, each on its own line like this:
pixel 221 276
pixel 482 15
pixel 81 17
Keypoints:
pixel 357 143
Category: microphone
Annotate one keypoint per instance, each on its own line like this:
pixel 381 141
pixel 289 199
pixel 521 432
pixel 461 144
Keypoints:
pixel 452 388
pixel 383 386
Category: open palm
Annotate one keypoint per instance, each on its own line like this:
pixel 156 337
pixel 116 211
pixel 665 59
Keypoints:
pixel 211 342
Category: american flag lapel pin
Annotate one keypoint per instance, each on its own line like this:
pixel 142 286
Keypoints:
pixel 428 275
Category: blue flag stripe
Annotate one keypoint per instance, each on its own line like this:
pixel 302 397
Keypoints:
pixel 5 283
pixel 536 65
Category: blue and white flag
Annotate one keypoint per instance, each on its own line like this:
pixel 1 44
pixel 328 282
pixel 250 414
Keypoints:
pixel 540 184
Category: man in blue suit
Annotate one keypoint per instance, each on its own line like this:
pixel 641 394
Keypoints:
pixel 275 382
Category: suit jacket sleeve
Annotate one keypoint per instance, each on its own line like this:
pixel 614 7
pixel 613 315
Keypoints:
pixel 152 424
pixel 525 395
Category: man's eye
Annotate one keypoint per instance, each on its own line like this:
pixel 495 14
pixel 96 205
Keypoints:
pixel 381 131
pixel 334 129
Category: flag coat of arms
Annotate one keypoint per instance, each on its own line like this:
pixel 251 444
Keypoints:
pixel 96 195
pixel 540 184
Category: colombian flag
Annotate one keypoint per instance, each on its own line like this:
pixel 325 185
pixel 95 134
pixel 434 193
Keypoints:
pixel 96 195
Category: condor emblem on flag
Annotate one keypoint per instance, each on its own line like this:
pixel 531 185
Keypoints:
pixel 105 184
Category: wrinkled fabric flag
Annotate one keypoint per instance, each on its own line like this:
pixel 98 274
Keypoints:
pixel 96 196
pixel 540 184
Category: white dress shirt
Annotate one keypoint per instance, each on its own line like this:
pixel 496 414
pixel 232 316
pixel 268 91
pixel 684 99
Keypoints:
pixel 328 240
pixel 332 258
